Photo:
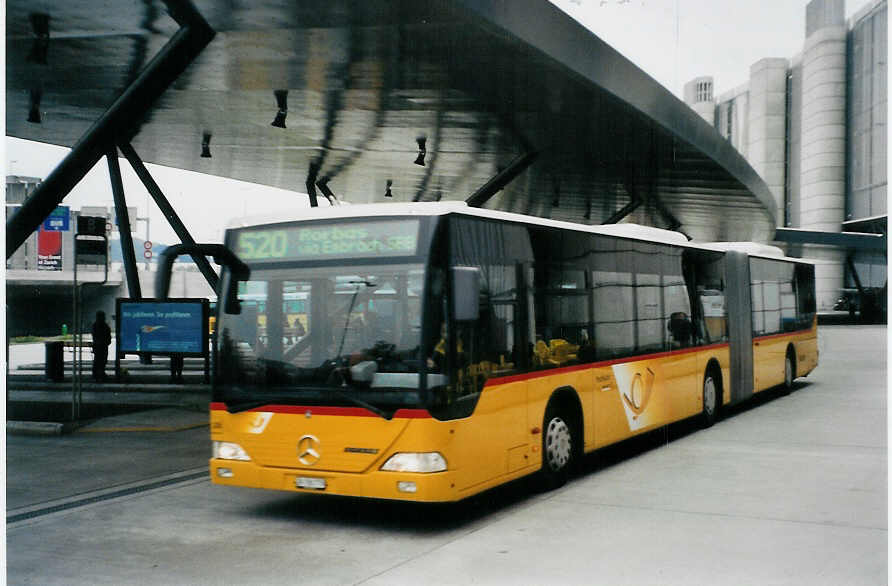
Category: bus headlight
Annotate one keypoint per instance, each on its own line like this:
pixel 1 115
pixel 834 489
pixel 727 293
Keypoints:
pixel 230 451
pixel 415 462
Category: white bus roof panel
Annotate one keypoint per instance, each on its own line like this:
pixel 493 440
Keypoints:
pixel 629 231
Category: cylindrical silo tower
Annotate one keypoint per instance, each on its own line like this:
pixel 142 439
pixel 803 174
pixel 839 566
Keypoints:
pixel 823 139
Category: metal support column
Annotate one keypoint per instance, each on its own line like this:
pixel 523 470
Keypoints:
pixel 311 184
pixel 130 269
pixel 850 264
pixel 173 219
pixel 119 121
pixel 497 183
pixel 626 209
pixel 634 198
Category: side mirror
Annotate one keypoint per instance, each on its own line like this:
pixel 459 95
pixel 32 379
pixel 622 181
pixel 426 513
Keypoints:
pixel 238 270
pixel 231 304
pixel 466 293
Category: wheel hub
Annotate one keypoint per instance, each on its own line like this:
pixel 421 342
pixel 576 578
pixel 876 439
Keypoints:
pixel 557 444
pixel 709 395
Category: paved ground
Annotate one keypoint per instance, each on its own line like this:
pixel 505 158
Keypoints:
pixel 790 490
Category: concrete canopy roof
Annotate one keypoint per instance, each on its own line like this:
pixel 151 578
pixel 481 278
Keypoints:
pixel 483 82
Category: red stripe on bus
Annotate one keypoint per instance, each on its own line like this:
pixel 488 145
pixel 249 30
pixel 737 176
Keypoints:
pixel 323 410
pixel 423 414
pixel 576 367
pixel 782 334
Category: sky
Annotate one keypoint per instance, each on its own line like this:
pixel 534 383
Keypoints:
pixel 673 41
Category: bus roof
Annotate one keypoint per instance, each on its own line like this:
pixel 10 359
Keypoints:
pixel 624 230
pixel 751 248
pixel 350 211
pixel 634 231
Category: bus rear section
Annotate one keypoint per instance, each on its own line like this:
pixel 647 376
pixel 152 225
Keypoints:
pixel 785 340
pixel 773 322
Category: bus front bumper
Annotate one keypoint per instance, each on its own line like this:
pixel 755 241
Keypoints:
pixel 432 487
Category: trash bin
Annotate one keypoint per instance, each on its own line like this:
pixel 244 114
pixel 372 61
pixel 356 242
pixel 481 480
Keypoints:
pixel 55 361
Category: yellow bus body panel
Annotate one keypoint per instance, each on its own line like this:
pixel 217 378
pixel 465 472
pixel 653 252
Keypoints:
pixel 499 442
pixel 351 449
pixel 770 352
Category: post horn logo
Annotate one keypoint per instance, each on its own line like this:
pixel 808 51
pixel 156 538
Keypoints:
pixel 640 392
pixel 308 450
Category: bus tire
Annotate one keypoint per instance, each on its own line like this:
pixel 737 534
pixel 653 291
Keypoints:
pixel 789 371
pixel 712 396
pixel 559 447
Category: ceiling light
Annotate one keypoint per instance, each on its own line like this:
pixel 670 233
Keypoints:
pixel 422 150
pixel 282 103
pixel 206 145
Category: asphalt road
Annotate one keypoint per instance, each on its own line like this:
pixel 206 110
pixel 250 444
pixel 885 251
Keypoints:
pixel 787 490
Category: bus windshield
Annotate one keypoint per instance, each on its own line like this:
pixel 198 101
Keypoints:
pixel 324 335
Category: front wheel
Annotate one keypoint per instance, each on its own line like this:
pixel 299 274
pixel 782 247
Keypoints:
pixel 558 449
pixel 710 399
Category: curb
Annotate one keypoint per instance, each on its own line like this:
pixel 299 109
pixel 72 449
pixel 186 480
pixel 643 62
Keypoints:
pixel 137 428
pixel 43 428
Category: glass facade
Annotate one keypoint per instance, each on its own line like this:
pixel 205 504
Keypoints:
pixel 867 132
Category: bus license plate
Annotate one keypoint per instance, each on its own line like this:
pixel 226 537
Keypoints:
pixel 310 483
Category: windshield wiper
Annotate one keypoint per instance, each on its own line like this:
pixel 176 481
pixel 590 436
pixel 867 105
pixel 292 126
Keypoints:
pixel 359 402
pixel 240 402
pixel 246 406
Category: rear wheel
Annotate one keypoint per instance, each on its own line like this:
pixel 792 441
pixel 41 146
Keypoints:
pixel 558 448
pixel 789 372
pixel 711 398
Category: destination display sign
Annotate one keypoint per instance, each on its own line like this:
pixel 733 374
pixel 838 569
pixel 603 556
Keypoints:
pixel 329 241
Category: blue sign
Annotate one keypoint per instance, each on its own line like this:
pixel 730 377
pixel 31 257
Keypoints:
pixel 163 327
pixel 57 221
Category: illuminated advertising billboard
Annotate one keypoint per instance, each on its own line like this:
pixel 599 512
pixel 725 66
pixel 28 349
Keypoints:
pixel 173 326
pixel 49 250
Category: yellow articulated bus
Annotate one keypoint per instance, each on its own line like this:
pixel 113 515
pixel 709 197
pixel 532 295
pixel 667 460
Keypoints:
pixel 446 349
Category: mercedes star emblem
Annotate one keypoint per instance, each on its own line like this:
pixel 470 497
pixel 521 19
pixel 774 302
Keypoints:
pixel 308 450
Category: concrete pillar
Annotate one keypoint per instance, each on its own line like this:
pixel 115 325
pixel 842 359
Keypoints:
pixel 767 126
pixel 823 147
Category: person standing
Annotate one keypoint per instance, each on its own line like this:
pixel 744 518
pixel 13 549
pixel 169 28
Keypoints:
pixel 176 368
pixel 101 340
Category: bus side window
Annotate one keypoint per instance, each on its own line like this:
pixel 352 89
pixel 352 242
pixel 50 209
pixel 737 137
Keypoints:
pixel 614 312
pixel 805 297
pixel 562 316
pixel 681 328
pixel 677 305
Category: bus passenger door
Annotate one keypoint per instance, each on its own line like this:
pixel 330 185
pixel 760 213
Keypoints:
pixel 488 355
